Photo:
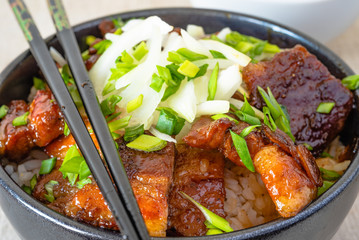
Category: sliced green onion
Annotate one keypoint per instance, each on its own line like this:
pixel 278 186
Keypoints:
pixel 214 37
pixel 90 39
pixel 211 217
pixel 85 55
pixel 268 120
pixel 169 92
pixel 326 155
pixel 75 95
pixel 118 31
pixel 3 111
pixel 147 143
pixel 39 84
pixel 47 165
pixel 118 22
pixel 113 116
pixel 325 107
pixel 126 58
pixel 209 225
pixel 244 47
pixel 351 82
pixel 119 124
pixel 169 122
pixel 156 82
pixel 283 124
pixel 175 57
pixel 33 182
pixel 217 54
pixel 247 118
pixel 325 187
pixel 247 108
pixel 121 69
pixel 109 104
pixel 329 174
pixel 166 75
pixel 271 48
pixel 213 231
pixel 49 187
pixel 134 103
pixel 27 189
pixel 72 165
pixel 242 149
pixel 21 120
pixel 188 69
pixel 109 87
pixel 102 46
pixel 131 133
pixel 307 145
pixel 212 84
pixel 84 171
pixel 221 115
pixel 140 51
pixel 190 55
pixel 174 72
pixel 80 184
pixel 248 130
pixel 66 129
pixel 271 102
pixel 202 71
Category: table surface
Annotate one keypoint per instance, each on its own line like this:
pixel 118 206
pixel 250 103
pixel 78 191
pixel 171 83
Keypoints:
pixel 13 43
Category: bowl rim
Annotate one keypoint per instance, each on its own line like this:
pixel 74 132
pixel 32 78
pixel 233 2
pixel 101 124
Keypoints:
pixel 257 231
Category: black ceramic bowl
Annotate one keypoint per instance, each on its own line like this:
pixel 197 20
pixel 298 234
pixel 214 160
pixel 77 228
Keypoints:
pixel 320 220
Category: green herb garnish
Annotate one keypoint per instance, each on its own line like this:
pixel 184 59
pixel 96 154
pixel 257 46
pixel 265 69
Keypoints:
pixel 109 104
pixel 47 165
pixel 212 84
pixel 188 69
pixel 325 187
pixel 242 149
pixel 169 122
pixel 102 46
pixel 329 174
pixel 49 187
pixel 39 84
pixel 80 184
pixel 325 107
pixel 221 115
pixel 134 103
pixel 3 111
pixel 351 82
pixel 140 51
pixel 131 133
pixel 21 120
pixel 147 143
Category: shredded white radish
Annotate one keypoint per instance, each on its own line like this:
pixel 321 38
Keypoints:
pixel 195 31
pixel 162 136
pixel 57 57
pixel 229 52
pixel 222 63
pixel 194 45
pixel 141 32
pixel 228 82
pixel 212 107
pixel 184 101
pixel 131 24
pixel 223 33
pixel 238 104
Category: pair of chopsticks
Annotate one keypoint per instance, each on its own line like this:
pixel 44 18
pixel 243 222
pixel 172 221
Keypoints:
pixel 120 197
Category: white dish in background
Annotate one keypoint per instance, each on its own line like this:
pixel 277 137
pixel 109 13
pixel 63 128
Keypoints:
pixel 321 19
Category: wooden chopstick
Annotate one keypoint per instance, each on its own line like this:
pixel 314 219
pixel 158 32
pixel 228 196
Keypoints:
pixel 68 41
pixel 43 58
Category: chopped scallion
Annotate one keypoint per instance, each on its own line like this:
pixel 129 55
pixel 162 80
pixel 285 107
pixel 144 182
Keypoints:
pixel 72 165
pixel 109 104
pixel 211 217
pixel 351 82
pixel 90 39
pixel 3 111
pixel 217 54
pixel 221 115
pixel 165 74
pixel 39 84
pixel 175 57
pixel 131 133
pixel 102 46
pixel 190 55
pixel 126 58
pixel 310 148
pixel 113 116
pixel 325 187
pixel 85 55
pixel 84 171
pixel 66 129
pixel 213 231
pixel 109 87
pixel 329 174
pixel 119 124
pixel 212 83
pixel 21 120
pixel 156 82
pixel 248 130
pixel 147 143
pixel 134 103
pixel 325 107
pixel 248 118
pixel 247 108
pixel 188 69
pixel 27 189
pixel 268 120
pixel 242 150
pixel 202 71
pixel 140 51
pixel 80 184
pixel 49 187
pixel 33 182
pixel 169 122
pixel 326 154
pixel 47 165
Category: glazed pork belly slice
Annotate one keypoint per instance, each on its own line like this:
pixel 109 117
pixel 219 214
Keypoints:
pixel 45 123
pixel 200 174
pixel 85 205
pixel 15 141
pixel 150 175
pixel 281 163
pixel 299 81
